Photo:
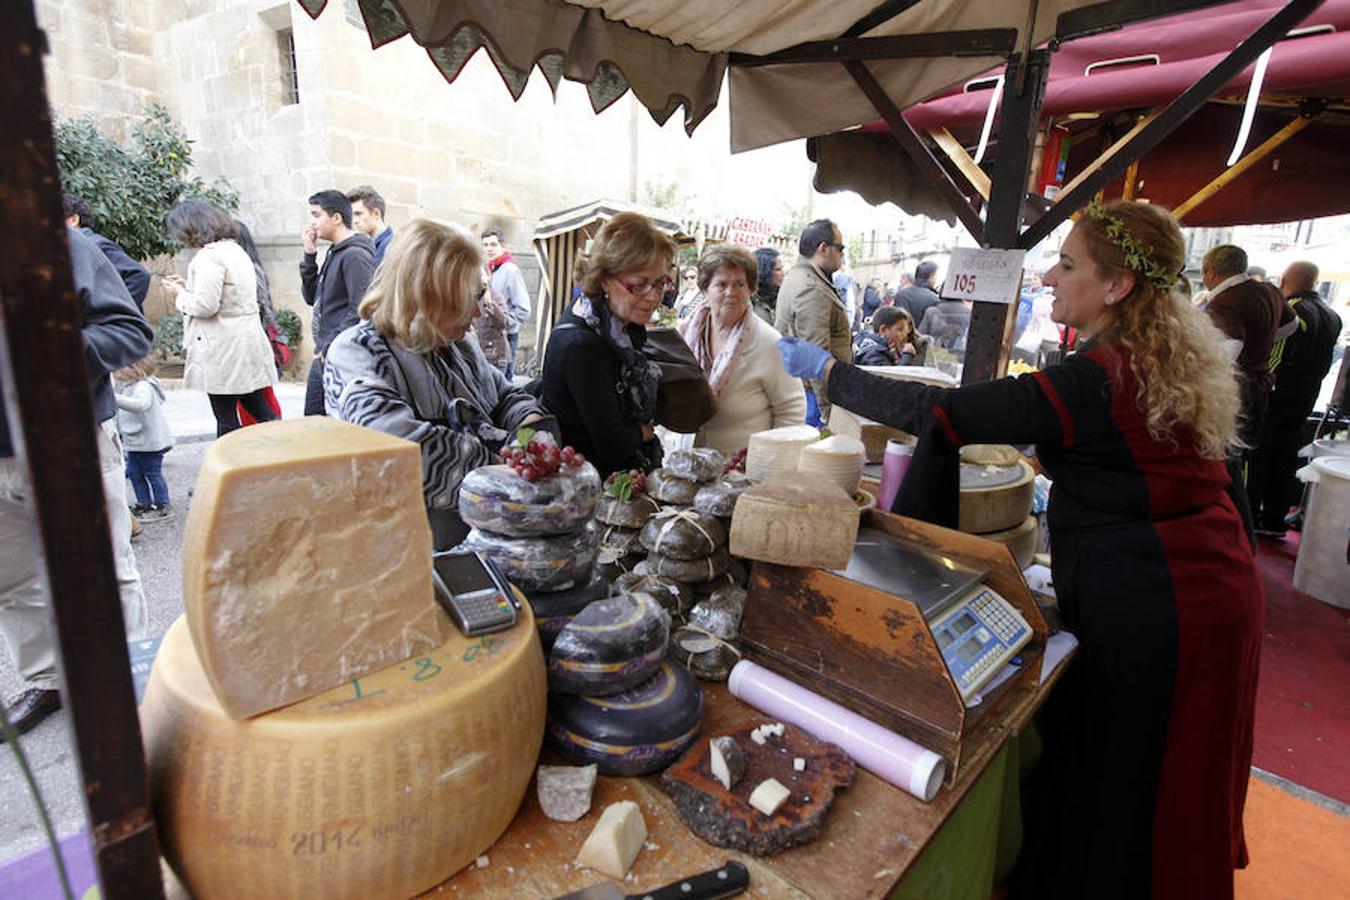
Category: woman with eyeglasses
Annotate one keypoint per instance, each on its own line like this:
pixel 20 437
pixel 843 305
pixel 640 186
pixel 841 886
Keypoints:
pixel 690 293
pixel 597 380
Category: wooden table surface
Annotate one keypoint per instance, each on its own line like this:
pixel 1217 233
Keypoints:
pixel 874 831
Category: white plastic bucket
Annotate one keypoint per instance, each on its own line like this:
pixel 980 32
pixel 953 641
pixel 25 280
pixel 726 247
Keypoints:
pixel 1328 447
pixel 1322 570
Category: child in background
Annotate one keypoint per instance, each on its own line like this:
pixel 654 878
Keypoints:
pixel 145 437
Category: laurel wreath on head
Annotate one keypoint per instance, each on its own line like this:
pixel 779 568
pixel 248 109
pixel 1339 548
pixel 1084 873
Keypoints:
pixel 1138 256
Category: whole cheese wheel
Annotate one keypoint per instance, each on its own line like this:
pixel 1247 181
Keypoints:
pixel 540 563
pixel 554 609
pixel 674 596
pixel 637 732
pixel 995 498
pixel 719 497
pixel 1022 540
pixel 777 452
pixel 838 458
pixel 610 646
pixel 383 787
pixel 496 499
pixel 632 513
pixel 696 464
pixel 669 488
pixel 683 535
pixel 306 561
pixel 688 571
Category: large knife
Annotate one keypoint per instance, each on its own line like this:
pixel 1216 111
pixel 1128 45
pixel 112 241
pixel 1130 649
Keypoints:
pixel 728 880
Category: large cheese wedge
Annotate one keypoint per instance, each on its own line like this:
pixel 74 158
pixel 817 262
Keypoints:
pixel 383 787
pixel 807 523
pixel 306 561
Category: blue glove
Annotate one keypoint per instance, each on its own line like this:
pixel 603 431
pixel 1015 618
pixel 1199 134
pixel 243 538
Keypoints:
pixel 802 358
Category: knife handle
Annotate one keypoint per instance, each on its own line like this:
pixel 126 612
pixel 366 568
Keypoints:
pixel 728 880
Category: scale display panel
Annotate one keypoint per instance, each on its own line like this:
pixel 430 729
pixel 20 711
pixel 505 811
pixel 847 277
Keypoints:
pixel 977 631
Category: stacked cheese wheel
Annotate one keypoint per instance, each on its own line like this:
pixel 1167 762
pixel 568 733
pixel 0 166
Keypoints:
pixel 997 490
pixel 615 701
pixel 777 452
pixel 382 787
pixel 539 532
pixel 838 459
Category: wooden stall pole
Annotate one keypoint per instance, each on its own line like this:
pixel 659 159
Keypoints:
pixel 42 342
pixel 989 340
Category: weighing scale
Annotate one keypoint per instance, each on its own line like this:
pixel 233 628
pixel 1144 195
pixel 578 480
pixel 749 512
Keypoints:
pixel 977 631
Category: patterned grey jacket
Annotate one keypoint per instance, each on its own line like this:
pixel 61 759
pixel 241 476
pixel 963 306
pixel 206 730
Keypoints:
pixel 453 402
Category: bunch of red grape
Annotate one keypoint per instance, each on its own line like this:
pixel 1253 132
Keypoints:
pixel 538 460
pixel 736 463
pixel 626 485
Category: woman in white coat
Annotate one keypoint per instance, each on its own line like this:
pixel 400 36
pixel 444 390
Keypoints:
pixel 738 352
pixel 228 355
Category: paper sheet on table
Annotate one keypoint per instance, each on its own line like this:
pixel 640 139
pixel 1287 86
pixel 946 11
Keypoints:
pixel 1057 647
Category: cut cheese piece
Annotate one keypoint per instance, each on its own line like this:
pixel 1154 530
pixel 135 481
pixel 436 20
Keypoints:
pixel 727 760
pixel 383 787
pixel 306 561
pixel 806 523
pixel 565 791
pixel 769 796
pixel 615 841
pixel 990 454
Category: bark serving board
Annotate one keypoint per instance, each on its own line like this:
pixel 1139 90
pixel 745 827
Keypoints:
pixel 725 817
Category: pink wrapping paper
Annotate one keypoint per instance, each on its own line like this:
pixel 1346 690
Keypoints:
pixel 914 769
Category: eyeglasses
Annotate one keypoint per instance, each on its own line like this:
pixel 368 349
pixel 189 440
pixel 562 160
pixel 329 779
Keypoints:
pixel 839 247
pixel 641 287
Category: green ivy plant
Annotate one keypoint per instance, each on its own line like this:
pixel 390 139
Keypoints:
pixel 130 188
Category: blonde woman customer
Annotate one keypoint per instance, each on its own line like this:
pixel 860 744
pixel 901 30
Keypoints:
pixel 1148 737
pixel 738 352
pixel 228 354
pixel 410 368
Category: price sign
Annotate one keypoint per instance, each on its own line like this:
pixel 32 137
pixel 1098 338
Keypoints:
pixel 989 275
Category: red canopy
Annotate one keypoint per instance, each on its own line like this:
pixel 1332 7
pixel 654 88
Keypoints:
pixel 1143 66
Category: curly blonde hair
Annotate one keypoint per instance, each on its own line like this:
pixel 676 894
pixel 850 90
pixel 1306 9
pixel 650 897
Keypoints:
pixel 1186 380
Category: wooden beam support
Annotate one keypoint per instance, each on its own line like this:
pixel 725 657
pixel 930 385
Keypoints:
pixel 978 178
pixel 1109 153
pixel 42 355
pixel 1127 189
pixel 1229 175
pixel 916 148
pixel 1171 117
pixel 979 42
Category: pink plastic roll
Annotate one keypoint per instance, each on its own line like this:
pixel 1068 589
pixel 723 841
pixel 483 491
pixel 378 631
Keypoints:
pixel 914 769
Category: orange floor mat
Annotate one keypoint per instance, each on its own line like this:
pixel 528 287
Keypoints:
pixel 1298 850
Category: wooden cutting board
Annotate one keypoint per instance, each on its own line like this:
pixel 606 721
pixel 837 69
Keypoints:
pixel 725 818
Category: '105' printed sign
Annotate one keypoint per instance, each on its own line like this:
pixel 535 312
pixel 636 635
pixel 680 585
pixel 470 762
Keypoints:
pixel 993 276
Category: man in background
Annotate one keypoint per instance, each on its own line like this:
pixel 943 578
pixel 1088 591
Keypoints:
pixel 335 291
pixel 115 335
pixel 508 284
pixel 809 308
pixel 132 273
pixel 920 296
pixel 1298 379
pixel 368 218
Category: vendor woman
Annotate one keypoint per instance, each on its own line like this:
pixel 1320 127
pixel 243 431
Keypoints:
pixel 409 368
pixel 597 380
pixel 1148 739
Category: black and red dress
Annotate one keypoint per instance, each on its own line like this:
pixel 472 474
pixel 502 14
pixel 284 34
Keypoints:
pixel 1149 734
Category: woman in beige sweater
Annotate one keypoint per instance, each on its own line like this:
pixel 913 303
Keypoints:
pixel 228 355
pixel 738 352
